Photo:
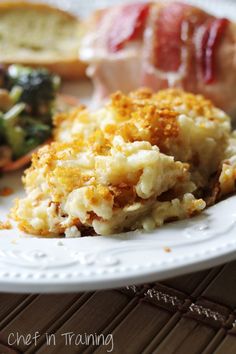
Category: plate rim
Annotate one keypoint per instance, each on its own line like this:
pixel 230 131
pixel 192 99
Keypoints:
pixel 14 277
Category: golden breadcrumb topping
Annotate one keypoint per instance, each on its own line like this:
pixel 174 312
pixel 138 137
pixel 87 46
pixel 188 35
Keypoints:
pixel 5 225
pixel 141 120
pixel 141 160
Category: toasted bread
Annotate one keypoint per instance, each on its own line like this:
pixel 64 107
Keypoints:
pixel 40 35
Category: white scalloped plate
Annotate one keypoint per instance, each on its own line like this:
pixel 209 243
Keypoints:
pixel 30 264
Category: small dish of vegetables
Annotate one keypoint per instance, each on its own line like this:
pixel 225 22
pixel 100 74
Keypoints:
pixel 27 104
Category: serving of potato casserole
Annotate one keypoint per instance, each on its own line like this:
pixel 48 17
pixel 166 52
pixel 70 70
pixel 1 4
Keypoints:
pixel 142 160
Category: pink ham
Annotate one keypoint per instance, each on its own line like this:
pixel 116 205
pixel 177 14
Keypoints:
pixel 169 23
pixel 127 25
pixel 162 45
pixel 210 40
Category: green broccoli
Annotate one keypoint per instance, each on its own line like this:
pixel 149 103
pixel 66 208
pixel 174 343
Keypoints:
pixel 28 123
pixel 37 87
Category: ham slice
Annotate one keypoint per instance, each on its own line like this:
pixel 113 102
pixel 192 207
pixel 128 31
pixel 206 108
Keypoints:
pixel 128 25
pixel 113 46
pixel 210 40
pixel 162 45
pixel 168 29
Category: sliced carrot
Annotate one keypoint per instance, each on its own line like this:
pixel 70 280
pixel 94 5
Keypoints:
pixel 22 161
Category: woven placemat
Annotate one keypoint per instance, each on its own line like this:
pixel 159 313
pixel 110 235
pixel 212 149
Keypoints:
pixel 191 314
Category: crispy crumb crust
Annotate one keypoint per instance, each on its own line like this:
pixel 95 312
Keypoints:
pixel 25 226
pixel 145 105
pixel 141 117
pixel 6 5
pixel 70 68
pixel 5 225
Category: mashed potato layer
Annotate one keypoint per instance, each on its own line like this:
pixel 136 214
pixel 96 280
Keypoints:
pixel 140 161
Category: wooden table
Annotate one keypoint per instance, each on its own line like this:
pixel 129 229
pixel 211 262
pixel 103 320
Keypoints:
pixel 192 314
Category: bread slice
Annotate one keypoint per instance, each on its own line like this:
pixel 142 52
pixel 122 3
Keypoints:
pixel 40 35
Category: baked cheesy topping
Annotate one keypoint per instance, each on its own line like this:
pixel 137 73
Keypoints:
pixel 140 161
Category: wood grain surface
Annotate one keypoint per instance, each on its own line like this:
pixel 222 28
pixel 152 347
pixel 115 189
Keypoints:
pixel 192 314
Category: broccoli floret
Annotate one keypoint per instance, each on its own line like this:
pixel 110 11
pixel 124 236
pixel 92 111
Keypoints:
pixel 28 123
pixel 14 135
pixel 38 88
pixel 35 134
pixel 37 131
pixel 25 137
